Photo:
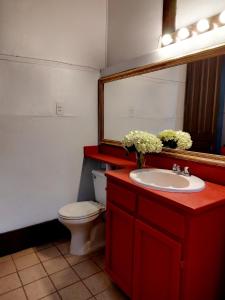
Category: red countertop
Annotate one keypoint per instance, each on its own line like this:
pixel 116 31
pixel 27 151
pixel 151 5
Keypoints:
pixel 213 195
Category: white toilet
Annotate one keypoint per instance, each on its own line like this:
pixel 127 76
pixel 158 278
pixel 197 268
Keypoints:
pixel 81 218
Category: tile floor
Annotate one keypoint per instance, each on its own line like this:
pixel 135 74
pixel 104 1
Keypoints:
pixel 49 272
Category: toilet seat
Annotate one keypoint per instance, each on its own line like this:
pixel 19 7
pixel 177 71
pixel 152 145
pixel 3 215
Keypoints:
pixel 81 210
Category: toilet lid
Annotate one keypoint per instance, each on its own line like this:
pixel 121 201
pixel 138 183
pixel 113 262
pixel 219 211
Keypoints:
pixel 80 210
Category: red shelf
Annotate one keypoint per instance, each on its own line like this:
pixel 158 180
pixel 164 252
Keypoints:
pixel 93 153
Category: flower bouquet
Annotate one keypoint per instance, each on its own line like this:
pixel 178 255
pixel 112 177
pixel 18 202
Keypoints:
pixel 175 139
pixel 141 142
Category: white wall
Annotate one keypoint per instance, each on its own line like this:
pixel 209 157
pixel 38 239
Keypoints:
pixel 71 31
pixel 191 11
pixel 151 102
pixel 134 28
pixel 41 154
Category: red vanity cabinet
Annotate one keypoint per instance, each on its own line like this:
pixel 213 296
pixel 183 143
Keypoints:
pixel 120 244
pixel 156 265
pixel 160 248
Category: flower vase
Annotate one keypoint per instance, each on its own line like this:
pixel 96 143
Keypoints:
pixel 140 158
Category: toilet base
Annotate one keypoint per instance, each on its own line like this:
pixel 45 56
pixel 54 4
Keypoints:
pixel 87 237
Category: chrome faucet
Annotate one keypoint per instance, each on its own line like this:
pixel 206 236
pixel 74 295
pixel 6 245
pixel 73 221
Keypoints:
pixel 177 169
pixel 186 171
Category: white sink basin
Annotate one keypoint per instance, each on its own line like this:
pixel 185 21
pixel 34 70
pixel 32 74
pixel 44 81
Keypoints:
pixel 166 180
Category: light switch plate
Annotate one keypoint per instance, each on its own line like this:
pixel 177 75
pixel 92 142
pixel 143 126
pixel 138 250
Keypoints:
pixel 59 109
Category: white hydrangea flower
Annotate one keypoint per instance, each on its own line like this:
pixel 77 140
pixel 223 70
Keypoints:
pixel 167 135
pixel 183 140
pixel 143 142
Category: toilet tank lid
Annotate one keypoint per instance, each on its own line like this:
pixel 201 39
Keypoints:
pixel 98 173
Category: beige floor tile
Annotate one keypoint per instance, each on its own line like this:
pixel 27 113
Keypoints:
pixel 55 265
pixel 39 289
pixel 48 253
pixel 9 283
pixel 26 261
pixel 5 258
pixel 44 246
pixel 54 296
pixel 76 291
pixel 99 260
pixel 7 268
pixel 64 248
pixel 98 283
pixel 86 269
pixel 75 259
pixel 64 278
pixel 32 273
pixel 111 293
pixel 17 294
pixel 23 252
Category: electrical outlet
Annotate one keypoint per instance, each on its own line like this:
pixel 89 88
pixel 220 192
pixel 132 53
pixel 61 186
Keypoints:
pixel 59 109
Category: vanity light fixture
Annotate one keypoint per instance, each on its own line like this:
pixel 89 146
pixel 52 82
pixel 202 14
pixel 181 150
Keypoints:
pixel 222 17
pixel 183 33
pixel 167 39
pixel 202 25
pixel 193 30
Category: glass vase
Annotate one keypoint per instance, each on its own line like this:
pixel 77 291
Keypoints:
pixel 140 159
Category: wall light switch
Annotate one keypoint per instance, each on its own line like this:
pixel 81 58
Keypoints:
pixel 131 112
pixel 59 109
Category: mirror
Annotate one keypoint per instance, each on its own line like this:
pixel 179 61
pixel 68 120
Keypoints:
pixel 187 97
pixel 150 102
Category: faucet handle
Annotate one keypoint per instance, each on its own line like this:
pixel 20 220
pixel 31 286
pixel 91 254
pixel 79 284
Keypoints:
pixel 178 169
pixel 174 168
pixel 186 171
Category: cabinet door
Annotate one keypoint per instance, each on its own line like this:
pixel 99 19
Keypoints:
pixel 119 247
pixel 156 265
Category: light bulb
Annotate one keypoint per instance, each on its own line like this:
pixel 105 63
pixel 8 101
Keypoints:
pixel 167 39
pixel 203 25
pixel 183 33
pixel 222 17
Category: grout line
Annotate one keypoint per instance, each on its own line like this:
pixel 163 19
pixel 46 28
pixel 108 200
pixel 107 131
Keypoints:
pixel 35 280
pixel 27 267
pixel 20 279
pixel 48 295
pixel 22 255
pixel 8 274
pixel 56 290
pixel 49 258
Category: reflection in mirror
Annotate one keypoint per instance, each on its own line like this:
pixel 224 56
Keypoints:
pixel 186 97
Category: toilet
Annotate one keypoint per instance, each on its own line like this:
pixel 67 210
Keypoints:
pixel 84 219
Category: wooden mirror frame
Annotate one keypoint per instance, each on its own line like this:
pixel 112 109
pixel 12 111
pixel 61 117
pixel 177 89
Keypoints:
pixel 200 157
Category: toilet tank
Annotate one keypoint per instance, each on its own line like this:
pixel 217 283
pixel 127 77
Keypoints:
pixel 99 180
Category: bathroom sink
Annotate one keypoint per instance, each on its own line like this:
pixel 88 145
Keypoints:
pixel 166 180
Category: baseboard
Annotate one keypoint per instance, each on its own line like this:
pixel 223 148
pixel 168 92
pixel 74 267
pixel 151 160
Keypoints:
pixel 31 236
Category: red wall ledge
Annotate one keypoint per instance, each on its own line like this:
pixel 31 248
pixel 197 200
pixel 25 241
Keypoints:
pixel 117 160
pixel 117 156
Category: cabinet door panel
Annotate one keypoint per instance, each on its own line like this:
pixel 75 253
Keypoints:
pixel 119 247
pixel 156 266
